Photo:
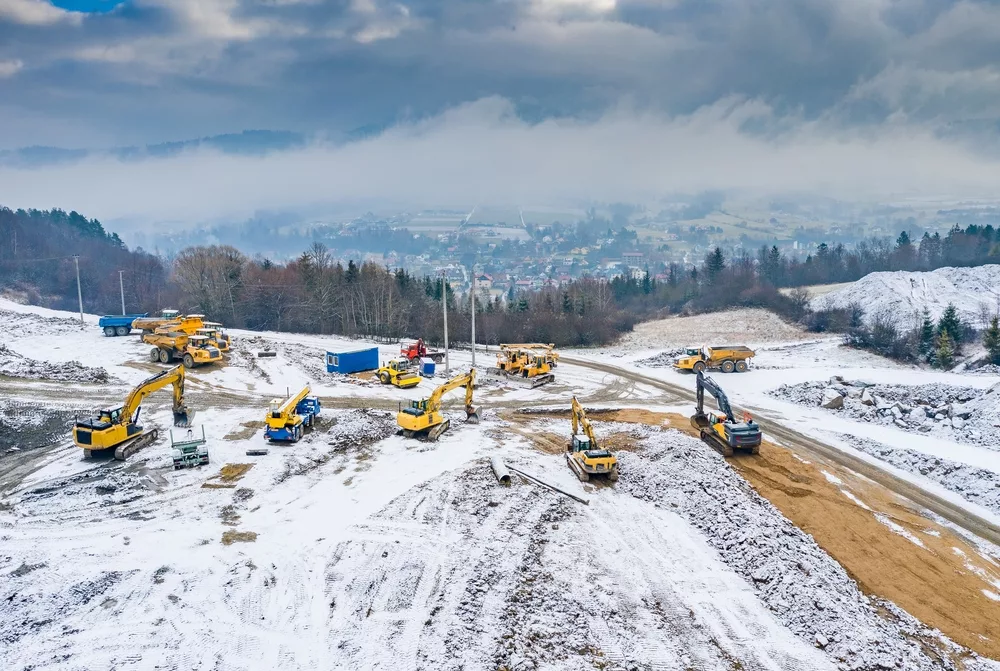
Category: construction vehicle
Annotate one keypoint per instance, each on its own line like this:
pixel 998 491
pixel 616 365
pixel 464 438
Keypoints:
pixel 722 431
pixel 150 324
pixel 189 451
pixel 215 338
pixel 423 419
pixel 288 418
pixel 526 362
pixel 397 372
pixel 221 338
pixel 537 370
pixel 583 455
pixel 548 349
pixel 193 350
pixel 119 428
pixel 417 350
pixel 118 325
pixel 727 359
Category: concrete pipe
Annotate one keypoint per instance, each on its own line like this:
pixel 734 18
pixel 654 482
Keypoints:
pixel 500 470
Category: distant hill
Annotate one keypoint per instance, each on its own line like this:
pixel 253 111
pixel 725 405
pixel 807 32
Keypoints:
pixel 248 142
pixel 36 260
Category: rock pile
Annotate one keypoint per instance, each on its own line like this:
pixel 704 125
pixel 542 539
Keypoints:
pixel 964 414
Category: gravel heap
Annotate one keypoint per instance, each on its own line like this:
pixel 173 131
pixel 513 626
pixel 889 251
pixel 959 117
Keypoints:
pixel 962 414
pixel 13 364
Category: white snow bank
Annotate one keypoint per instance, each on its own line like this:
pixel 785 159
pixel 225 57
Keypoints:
pixel 906 294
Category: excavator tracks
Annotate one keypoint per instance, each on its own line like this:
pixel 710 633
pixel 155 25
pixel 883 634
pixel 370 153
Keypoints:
pixel 123 452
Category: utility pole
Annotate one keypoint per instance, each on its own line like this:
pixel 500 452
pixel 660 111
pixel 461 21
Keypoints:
pixel 79 291
pixel 121 284
pixel 444 302
pixel 473 319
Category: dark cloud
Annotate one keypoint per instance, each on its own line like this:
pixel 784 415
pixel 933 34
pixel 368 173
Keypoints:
pixel 159 69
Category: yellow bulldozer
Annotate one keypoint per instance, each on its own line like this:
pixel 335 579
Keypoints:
pixel 397 372
pixel 583 455
pixel 723 431
pixel 423 419
pixel 119 428
pixel 530 361
pixel 192 350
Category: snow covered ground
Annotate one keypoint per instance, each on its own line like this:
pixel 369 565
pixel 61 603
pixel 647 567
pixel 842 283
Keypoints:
pixel 359 549
pixel 905 294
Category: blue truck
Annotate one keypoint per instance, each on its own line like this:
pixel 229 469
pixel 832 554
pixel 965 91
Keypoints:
pixel 118 325
pixel 352 361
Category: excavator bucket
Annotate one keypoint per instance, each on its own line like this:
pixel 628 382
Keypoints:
pixel 183 417
pixel 472 415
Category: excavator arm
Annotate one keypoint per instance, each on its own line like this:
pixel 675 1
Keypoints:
pixel 707 383
pixel 174 376
pixel 580 421
pixel 467 380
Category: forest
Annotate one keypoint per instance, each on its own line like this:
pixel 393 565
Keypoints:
pixel 316 294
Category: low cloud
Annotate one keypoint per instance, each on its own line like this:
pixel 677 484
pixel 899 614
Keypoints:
pixel 484 153
pixel 10 68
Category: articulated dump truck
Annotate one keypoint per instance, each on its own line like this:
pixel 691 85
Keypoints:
pixel 728 359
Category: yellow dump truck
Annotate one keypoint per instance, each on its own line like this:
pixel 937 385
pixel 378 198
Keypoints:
pixel 728 359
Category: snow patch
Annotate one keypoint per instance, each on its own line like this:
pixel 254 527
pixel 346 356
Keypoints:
pixel 899 530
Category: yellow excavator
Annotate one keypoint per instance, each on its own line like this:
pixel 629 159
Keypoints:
pixel 723 431
pixel 583 455
pixel 119 428
pixel 397 373
pixel 423 419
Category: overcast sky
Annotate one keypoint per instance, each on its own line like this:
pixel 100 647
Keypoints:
pixel 599 98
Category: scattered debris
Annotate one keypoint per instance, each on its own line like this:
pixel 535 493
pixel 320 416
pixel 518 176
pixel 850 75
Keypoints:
pixel 13 364
pixel 233 536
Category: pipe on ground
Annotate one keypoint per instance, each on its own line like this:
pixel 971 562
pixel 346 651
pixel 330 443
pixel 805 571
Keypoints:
pixel 500 470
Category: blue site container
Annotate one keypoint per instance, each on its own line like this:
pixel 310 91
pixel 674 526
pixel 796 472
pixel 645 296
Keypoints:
pixel 427 367
pixel 352 361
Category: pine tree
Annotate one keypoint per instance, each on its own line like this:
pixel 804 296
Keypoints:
pixel 715 262
pixel 951 324
pixel 567 303
pixel 926 336
pixel 945 355
pixel 991 341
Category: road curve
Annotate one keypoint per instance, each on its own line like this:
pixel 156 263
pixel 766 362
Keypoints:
pixel 809 446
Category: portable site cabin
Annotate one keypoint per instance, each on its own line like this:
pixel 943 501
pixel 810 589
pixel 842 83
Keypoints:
pixel 352 361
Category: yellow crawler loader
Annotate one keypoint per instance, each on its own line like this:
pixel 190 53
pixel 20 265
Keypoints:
pixel 723 431
pixel 423 419
pixel 397 373
pixel 583 455
pixel 119 428
pixel 532 362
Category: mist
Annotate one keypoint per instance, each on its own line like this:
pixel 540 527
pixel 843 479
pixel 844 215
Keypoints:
pixel 483 152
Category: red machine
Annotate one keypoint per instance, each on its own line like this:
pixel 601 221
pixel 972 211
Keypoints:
pixel 417 350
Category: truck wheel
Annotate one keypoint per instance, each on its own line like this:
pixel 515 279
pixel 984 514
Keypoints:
pixel 154 354
pixel 741 366
pixel 384 378
pixel 109 331
pixel 122 330
pixel 188 361
pixel 164 356
pixel 728 366
pixel 699 367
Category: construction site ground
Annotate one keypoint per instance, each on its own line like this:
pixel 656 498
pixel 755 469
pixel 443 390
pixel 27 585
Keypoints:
pixel 359 549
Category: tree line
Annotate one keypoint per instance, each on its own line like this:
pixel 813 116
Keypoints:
pixel 314 293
